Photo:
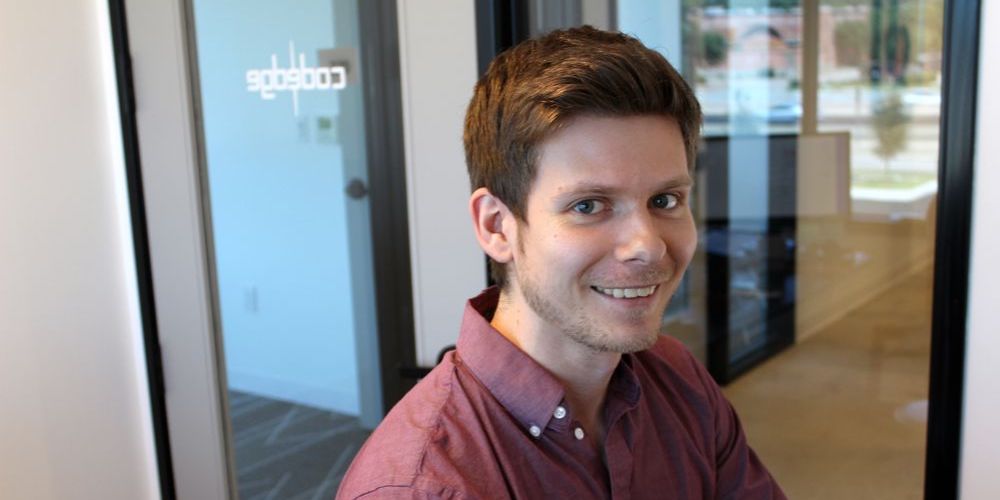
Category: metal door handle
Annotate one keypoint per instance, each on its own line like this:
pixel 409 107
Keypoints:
pixel 356 189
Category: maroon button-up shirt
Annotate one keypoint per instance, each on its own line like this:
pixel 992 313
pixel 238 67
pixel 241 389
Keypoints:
pixel 489 422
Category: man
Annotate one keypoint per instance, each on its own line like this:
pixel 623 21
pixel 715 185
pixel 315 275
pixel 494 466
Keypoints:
pixel 579 146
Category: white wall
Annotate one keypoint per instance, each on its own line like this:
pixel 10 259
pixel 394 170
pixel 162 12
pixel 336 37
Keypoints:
pixel 980 439
pixel 75 419
pixel 437 45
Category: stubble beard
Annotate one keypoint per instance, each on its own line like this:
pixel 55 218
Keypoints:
pixel 573 322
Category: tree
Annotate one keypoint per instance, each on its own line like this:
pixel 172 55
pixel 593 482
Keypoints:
pixel 715 46
pixel 890 123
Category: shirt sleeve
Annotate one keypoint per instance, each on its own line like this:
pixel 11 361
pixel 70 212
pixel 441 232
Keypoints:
pixel 739 472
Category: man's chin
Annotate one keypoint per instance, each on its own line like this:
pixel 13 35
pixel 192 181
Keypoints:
pixel 635 342
pixel 636 345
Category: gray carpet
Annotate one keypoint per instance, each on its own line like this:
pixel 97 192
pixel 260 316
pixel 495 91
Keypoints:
pixel 290 451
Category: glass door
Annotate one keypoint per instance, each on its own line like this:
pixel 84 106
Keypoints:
pixel 816 198
pixel 819 182
pixel 284 120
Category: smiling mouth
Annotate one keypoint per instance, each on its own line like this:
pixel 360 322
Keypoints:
pixel 626 293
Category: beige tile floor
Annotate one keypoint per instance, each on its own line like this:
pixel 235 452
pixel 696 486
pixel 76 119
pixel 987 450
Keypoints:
pixel 842 414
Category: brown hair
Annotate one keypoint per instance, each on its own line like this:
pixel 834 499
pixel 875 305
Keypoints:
pixel 532 89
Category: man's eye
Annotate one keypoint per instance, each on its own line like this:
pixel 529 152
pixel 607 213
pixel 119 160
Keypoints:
pixel 664 201
pixel 588 206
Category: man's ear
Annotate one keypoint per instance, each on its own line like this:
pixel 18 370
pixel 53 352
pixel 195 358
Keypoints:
pixel 494 224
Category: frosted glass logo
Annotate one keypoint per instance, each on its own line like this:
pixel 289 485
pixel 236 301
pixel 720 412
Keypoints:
pixel 269 81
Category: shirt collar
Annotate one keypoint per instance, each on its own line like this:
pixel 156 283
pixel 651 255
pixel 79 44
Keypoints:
pixel 625 382
pixel 526 389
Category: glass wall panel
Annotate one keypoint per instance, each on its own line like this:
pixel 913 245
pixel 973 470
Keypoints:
pixel 282 108
pixel 810 296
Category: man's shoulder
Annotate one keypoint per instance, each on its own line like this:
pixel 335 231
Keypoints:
pixel 409 448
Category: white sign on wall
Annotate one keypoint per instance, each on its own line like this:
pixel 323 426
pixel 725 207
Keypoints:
pixel 295 78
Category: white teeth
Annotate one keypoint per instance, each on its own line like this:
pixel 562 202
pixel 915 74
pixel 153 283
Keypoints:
pixel 628 293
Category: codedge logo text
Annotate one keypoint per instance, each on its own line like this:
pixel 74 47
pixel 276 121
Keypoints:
pixel 295 78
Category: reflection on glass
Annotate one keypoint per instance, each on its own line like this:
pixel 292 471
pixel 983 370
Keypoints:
pixel 862 93
pixel 882 83
pixel 815 204
pixel 282 115
pixel 746 67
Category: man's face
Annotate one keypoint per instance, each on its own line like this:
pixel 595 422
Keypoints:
pixel 609 231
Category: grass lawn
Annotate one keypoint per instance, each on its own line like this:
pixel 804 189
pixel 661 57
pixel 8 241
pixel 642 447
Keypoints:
pixel 889 180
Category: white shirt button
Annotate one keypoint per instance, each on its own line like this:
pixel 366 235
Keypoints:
pixel 535 430
pixel 560 412
pixel 578 432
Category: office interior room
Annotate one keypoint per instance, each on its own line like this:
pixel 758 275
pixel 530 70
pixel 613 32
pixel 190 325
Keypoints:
pixel 811 299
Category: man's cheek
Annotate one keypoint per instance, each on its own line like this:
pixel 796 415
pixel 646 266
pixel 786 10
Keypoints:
pixel 687 244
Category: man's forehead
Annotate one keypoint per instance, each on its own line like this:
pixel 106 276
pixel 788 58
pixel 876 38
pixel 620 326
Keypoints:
pixel 606 154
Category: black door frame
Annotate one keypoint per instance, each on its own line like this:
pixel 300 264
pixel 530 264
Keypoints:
pixel 390 231
pixel 140 247
pixel 952 243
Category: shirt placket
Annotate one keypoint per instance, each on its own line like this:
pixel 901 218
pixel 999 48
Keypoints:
pixel 619 461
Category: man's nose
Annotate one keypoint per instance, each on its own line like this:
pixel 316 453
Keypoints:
pixel 640 239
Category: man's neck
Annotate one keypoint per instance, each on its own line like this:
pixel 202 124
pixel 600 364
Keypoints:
pixel 584 372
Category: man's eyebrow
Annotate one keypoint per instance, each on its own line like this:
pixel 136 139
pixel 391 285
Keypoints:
pixel 603 189
pixel 685 181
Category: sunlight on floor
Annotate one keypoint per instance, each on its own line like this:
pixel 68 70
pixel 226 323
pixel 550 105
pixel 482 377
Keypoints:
pixel 843 414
